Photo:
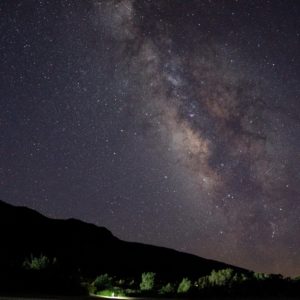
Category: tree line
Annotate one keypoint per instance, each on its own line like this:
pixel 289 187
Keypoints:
pixel 43 274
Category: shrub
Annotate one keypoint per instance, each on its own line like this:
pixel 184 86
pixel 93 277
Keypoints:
pixel 37 263
pixel 114 292
pixel 238 278
pixel 260 276
pixel 221 277
pixel 184 286
pixel 167 289
pixel 89 287
pixel 203 282
pixel 147 283
pixel 103 282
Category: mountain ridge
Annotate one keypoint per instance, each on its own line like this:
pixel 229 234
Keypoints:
pixel 89 248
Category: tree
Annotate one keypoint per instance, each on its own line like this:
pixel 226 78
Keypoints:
pixel 221 278
pixel 103 282
pixel 37 263
pixel 184 286
pixel 147 283
pixel 225 277
pixel 260 276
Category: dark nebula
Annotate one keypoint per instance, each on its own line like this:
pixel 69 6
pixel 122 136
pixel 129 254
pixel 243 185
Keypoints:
pixel 174 123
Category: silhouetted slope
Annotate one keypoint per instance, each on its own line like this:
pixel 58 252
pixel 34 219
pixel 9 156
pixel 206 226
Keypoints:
pixel 84 247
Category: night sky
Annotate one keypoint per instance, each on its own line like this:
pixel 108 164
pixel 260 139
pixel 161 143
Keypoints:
pixel 173 123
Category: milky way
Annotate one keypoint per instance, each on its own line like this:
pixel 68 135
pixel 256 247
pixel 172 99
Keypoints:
pixel 170 123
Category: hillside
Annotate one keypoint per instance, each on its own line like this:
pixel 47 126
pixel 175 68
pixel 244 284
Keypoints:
pixel 88 248
pixel 43 256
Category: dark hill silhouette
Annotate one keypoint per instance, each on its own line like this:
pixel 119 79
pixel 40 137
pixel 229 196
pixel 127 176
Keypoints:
pixel 92 250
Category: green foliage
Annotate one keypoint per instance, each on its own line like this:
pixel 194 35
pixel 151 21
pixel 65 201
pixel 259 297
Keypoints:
pixel 89 287
pixel 184 286
pixel 221 278
pixel 114 292
pixel 103 282
pixel 131 292
pixel 105 285
pixel 239 278
pixel 203 282
pixel 38 263
pixel 167 289
pixel 147 283
pixel 225 277
pixel 260 276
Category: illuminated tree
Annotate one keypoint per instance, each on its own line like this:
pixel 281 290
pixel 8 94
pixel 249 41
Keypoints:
pixel 147 283
pixel 184 286
pixel 103 282
pixel 221 277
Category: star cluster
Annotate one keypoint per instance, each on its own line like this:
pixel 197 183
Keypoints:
pixel 170 123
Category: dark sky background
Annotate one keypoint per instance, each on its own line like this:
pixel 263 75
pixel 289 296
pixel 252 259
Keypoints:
pixel 174 123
